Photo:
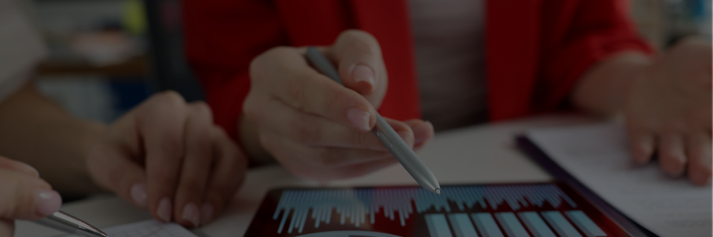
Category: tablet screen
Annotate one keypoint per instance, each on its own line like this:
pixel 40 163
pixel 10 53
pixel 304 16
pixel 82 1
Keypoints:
pixel 527 209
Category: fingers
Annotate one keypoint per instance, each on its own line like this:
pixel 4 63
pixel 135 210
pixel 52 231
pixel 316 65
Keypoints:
pixel 318 157
pixel 699 159
pixel 19 166
pixel 25 196
pixel 312 130
pixel 680 149
pixel 228 172
pixel 672 155
pixel 196 164
pixel 112 167
pixel 284 74
pixel 422 130
pixel 641 143
pixel 325 164
pixel 116 161
pixel 361 65
pixel 168 156
pixel 161 124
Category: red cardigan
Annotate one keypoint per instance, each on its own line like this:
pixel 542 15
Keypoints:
pixel 535 49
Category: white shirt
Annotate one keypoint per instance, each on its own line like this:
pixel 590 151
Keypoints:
pixel 21 48
pixel 450 59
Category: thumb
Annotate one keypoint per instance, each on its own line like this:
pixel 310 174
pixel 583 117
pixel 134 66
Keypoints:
pixel 26 197
pixel 361 65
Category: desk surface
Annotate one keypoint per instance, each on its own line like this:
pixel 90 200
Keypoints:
pixel 478 154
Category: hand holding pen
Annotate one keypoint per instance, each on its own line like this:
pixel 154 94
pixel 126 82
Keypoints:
pixel 315 127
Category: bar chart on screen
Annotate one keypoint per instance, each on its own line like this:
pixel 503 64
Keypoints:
pixel 542 209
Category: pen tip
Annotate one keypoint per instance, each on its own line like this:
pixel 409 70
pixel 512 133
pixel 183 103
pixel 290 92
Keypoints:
pixel 437 191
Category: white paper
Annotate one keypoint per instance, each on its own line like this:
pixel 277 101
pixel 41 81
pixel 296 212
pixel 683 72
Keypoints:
pixel 147 228
pixel 598 156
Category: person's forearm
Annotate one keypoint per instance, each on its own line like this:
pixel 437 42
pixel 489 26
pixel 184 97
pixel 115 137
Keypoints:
pixel 602 90
pixel 37 131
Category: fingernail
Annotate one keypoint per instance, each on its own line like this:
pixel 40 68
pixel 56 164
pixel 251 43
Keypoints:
pixel 191 213
pixel 37 174
pixel 642 157
pixel 421 132
pixel 359 118
pixel 164 209
pixel 138 193
pixel 365 74
pixel 206 213
pixel 47 201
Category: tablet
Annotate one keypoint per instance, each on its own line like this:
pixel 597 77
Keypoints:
pixel 518 209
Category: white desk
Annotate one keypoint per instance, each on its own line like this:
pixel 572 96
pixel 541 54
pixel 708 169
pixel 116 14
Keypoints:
pixel 479 154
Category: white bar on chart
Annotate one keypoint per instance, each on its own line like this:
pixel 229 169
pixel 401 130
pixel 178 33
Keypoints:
pixel 462 226
pixel 535 224
pixel 437 225
pixel 511 225
pixel 585 224
pixel 486 224
pixel 560 224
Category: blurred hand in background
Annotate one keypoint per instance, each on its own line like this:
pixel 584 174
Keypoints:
pixel 668 111
pixel 166 155
pixel 666 101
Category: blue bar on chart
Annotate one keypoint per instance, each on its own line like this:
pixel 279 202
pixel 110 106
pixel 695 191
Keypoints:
pixel 462 226
pixel 535 224
pixel 560 224
pixel 486 224
pixel 437 225
pixel 584 223
pixel 511 225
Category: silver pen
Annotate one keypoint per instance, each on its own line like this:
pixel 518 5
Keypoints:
pixel 64 222
pixel 386 134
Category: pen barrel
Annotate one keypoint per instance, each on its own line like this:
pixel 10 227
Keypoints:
pixel 66 223
pixel 405 155
pixel 57 224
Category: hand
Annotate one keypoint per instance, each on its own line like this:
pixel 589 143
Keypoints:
pixel 668 112
pixel 168 156
pixel 315 127
pixel 23 195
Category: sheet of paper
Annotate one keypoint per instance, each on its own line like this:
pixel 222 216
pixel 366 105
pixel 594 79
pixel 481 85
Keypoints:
pixel 147 228
pixel 598 156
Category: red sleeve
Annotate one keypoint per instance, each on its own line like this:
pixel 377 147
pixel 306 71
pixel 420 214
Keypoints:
pixel 575 36
pixel 219 51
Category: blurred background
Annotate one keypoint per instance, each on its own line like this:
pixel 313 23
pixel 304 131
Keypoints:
pixel 106 56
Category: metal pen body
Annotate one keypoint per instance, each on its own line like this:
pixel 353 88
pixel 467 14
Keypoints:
pixel 403 153
pixel 66 223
